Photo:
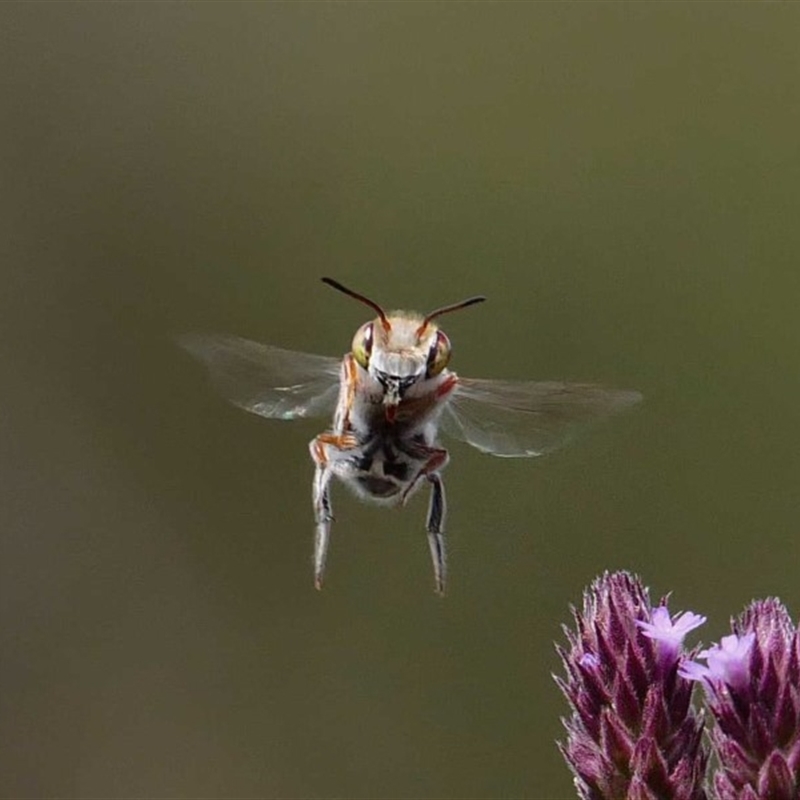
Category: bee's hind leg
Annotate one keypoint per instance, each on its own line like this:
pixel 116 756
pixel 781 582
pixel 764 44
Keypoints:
pixel 435 526
pixel 436 458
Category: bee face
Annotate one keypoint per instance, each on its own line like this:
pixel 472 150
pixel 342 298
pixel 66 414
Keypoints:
pixel 400 350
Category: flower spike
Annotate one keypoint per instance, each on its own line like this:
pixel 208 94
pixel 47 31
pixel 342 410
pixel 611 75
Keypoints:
pixel 632 732
pixel 752 683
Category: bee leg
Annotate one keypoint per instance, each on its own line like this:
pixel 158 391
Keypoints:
pixel 435 526
pixel 323 448
pixel 321 499
pixel 323 516
pixel 436 459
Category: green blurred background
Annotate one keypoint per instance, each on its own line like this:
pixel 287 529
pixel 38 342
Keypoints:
pixel 621 180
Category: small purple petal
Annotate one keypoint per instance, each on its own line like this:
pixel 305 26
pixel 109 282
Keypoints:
pixel 669 633
pixel 729 660
pixel 688 621
pixel 693 671
pixel 589 660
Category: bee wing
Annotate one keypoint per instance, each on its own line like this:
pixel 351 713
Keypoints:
pixel 526 418
pixel 267 380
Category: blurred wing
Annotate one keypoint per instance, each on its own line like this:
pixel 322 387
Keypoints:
pixel 266 380
pixel 526 418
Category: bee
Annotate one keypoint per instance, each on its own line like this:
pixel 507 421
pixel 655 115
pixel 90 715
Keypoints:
pixel 389 396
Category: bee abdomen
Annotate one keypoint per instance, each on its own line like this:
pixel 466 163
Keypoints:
pixel 376 486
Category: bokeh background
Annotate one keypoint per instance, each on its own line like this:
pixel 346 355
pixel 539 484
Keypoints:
pixel 621 180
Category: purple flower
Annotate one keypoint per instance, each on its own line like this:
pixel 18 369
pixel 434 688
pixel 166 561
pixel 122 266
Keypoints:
pixel 669 633
pixel 728 664
pixel 752 682
pixel 632 732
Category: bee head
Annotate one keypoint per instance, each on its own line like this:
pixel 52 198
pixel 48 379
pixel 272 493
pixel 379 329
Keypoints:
pixel 400 349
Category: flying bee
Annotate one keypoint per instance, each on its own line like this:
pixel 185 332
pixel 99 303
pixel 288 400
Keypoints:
pixel 389 396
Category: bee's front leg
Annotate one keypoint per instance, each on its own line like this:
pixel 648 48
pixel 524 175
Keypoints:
pixel 323 448
pixel 323 516
pixel 435 525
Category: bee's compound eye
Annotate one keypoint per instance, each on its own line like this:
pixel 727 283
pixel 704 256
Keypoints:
pixel 439 354
pixel 362 345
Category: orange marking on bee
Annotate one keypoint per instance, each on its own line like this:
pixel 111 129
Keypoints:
pixel 318 452
pixel 343 441
pixel 447 386
pixel 438 457
pixel 351 379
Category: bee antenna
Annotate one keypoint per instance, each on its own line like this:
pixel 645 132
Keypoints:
pixel 371 303
pixel 470 301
